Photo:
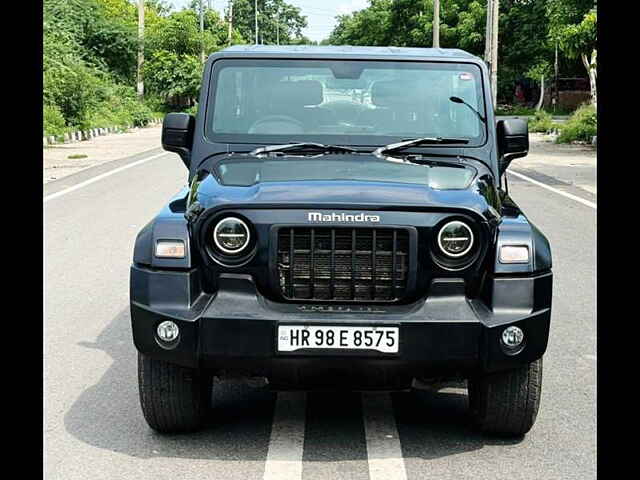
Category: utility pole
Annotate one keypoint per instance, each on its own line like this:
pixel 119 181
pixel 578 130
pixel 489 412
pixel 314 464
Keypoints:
pixel 140 47
pixel 277 28
pixel 256 18
pixel 436 23
pixel 201 32
pixel 230 21
pixel 487 40
pixel 556 93
pixel 491 45
pixel 494 51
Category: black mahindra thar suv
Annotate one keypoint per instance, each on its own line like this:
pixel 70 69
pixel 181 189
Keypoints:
pixel 346 226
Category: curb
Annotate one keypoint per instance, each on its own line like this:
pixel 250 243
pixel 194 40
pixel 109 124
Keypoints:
pixel 81 135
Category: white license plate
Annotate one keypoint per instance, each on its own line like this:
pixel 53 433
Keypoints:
pixel 298 337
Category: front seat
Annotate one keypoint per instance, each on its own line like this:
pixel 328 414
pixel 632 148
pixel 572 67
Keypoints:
pixel 400 108
pixel 297 100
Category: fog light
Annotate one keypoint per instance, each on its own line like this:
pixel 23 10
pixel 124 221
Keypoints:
pixel 512 337
pixel 168 331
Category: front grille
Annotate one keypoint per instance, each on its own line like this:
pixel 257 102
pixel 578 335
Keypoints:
pixel 345 264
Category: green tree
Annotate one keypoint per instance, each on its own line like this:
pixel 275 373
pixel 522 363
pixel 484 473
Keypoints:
pixel 173 76
pixel 526 47
pixel 172 53
pixel 370 26
pixel 408 23
pixel 275 18
pixel 574 26
pixel 88 59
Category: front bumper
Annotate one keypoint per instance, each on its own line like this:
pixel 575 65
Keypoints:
pixel 443 335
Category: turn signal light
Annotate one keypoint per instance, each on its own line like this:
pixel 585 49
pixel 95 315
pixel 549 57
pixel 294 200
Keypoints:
pixel 170 249
pixel 514 254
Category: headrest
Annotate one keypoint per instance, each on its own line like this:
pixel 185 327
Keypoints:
pixel 386 93
pixel 298 94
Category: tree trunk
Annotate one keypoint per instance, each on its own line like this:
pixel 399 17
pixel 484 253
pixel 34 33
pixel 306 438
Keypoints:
pixel 591 66
pixel 539 106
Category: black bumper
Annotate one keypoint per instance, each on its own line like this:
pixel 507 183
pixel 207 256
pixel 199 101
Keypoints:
pixel 443 335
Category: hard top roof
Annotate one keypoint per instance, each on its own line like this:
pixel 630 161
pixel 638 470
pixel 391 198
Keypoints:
pixel 346 51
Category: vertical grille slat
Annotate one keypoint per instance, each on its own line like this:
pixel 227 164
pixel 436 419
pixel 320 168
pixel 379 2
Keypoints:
pixel 332 268
pixel 393 264
pixel 343 264
pixel 292 291
pixel 353 264
pixel 312 260
pixel 373 265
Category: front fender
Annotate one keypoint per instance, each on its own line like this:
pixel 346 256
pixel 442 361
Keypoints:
pixel 519 230
pixel 520 287
pixel 169 224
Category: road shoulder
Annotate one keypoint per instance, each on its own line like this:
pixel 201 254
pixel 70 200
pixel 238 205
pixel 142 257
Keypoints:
pixel 61 161
pixel 70 181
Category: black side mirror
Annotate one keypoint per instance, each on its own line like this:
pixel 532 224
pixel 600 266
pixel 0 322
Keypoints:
pixel 177 134
pixel 513 141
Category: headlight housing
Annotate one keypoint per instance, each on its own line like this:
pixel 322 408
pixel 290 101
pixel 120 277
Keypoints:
pixel 456 243
pixel 455 239
pixel 231 235
pixel 227 238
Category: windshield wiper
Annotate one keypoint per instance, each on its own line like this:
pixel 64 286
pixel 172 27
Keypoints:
pixel 416 142
pixel 303 147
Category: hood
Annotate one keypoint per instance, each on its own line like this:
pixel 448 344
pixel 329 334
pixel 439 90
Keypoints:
pixel 479 197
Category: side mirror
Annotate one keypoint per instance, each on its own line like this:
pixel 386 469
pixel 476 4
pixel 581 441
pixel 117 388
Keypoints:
pixel 513 141
pixel 177 134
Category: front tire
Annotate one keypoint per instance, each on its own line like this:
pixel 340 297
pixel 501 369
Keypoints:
pixel 174 399
pixel 506 403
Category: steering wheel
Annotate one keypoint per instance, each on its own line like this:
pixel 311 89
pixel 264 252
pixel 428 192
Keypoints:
pixel 277 124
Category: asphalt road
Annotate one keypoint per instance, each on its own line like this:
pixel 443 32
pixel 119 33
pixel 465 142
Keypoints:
pixel 95 429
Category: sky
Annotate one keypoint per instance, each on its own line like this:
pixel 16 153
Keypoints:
pixel 320 13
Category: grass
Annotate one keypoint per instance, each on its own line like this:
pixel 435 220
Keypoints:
pixel 521 111
pixel 76 156
pixel 542 122
pixel 516 110
pixel 580 127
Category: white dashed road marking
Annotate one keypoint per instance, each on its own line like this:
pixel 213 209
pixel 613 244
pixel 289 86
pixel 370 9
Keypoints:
pixel 383 442
pixel 284 459
pixel 555 190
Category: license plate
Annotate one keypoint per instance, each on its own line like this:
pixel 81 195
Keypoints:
pixel 298 337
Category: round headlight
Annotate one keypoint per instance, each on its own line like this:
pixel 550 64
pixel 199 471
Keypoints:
pixel 455 239
pixel 231 235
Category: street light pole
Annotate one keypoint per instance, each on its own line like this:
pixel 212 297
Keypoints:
pixel 487 40
pixel 256 19
pixel 494 51
pixel 436 23
pixel 140 80
pixel 491 45
pixel 201 32
pixel 230 21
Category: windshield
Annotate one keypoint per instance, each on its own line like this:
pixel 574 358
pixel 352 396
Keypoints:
pixel 342 102
pixel 243 172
